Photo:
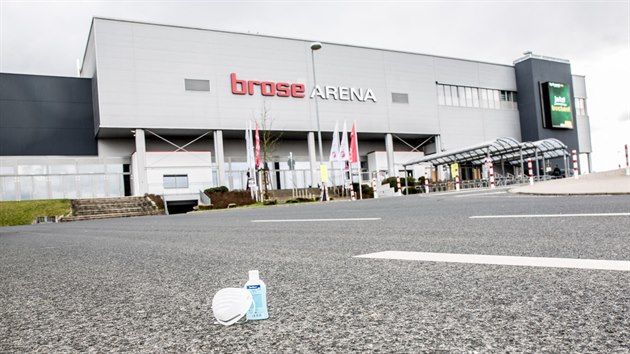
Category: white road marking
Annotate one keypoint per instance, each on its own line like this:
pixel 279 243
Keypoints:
pixel 544 215
pixel 503 260
pixel 318 220
pixel 478 194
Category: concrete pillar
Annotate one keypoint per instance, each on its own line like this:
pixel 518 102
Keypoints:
pixel 438 144
pixel 312 159
pixel 389 148
pixel 219 157
pixel 140 183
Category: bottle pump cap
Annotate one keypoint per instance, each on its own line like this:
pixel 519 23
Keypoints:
pixel 253 275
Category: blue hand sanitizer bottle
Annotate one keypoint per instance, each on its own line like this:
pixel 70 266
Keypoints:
pixel 258 289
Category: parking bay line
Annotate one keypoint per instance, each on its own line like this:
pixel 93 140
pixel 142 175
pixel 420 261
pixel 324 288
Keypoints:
pixel 600 264
pixel 318 220
pixel 544 215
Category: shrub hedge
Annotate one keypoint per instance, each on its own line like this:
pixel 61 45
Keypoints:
pixel 221 197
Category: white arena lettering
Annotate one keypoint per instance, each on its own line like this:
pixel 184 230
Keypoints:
pixel 342 93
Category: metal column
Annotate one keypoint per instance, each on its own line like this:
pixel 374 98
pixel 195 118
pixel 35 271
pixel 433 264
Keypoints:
pixel 139 173
pixel 312 159
pixel 389 148
pixel 219 156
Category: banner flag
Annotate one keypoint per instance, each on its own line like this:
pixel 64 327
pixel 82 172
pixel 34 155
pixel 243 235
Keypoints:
pixel 343 148
pixel 249 146
pixel 257 148
pixel 354 145
pixel 334 149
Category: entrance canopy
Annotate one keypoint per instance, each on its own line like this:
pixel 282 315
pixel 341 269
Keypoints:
pixel 505 149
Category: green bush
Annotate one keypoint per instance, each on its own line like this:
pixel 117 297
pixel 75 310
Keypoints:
pixel 366 190
pixel 392 181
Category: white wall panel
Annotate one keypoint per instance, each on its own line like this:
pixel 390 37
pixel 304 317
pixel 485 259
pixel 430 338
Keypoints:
pixel 142 68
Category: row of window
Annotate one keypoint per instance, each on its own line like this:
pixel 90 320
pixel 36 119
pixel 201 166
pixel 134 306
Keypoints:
pixel 580 106
pixel 448 95
pixel 476 97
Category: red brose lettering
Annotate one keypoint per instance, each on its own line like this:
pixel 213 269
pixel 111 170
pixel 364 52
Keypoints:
pixel 267 88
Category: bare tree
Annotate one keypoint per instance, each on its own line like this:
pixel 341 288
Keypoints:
pixel 268 143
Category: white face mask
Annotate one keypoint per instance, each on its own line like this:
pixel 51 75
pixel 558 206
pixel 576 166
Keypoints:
pixel 231 304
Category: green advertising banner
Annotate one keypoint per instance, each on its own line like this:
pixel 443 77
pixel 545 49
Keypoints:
pixel 559 105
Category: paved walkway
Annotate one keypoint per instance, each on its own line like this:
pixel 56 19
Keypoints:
pixel 602 183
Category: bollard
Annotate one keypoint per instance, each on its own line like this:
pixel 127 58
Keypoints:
pixel 491 166
pixel 531 171
pixel 375 191
pixel 457 182
pixel 575 164
pixel 352 196
pixel 627 164
pixel 398 185
pixel 427 188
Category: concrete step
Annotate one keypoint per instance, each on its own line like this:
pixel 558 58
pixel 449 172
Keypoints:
pixel 103 208
pixel 112 211
pixel 114 206
pixel 109 200
pixel 108 216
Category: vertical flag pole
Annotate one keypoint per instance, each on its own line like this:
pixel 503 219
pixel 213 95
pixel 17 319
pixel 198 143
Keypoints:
pixel 354 156
pixel 491 166
pixel 627 163
pixel 575 164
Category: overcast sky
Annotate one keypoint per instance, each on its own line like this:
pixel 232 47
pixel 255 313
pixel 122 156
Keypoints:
pixel 47 37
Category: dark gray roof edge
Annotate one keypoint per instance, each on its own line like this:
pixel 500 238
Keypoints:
pixel 45 75
pixel 287 38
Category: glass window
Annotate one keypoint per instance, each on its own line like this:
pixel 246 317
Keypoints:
pixel 475 97
pixel 462 96
pixel 454 94
pixel 32 169
pixel 26 187
pixel 8 188
pixel 196 85
pixel 448 97
pixel 503 95
pixel 98 188
pixel 400 97
pixel 70 186
pixel 85 186
pixel 62 169
pixel 440 94
pixel 484 98
pixel 115 168
pixel 495 101
pixel 92 168
pixel 115 186
pixel 7 170
pixel 40 187
pixel 580 106
pixel 56 187
pixel 469 102
pixel 175 181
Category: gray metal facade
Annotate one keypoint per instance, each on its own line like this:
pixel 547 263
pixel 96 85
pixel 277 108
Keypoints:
pixel 530 73
pixel 45 115
pixel 142 69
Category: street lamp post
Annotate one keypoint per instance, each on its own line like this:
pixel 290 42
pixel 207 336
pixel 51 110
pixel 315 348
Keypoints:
pixel 317 46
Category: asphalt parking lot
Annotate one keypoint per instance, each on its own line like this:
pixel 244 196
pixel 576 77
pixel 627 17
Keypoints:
pixel 145 284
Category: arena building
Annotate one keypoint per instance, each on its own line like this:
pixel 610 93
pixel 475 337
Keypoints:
pixel 163 109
